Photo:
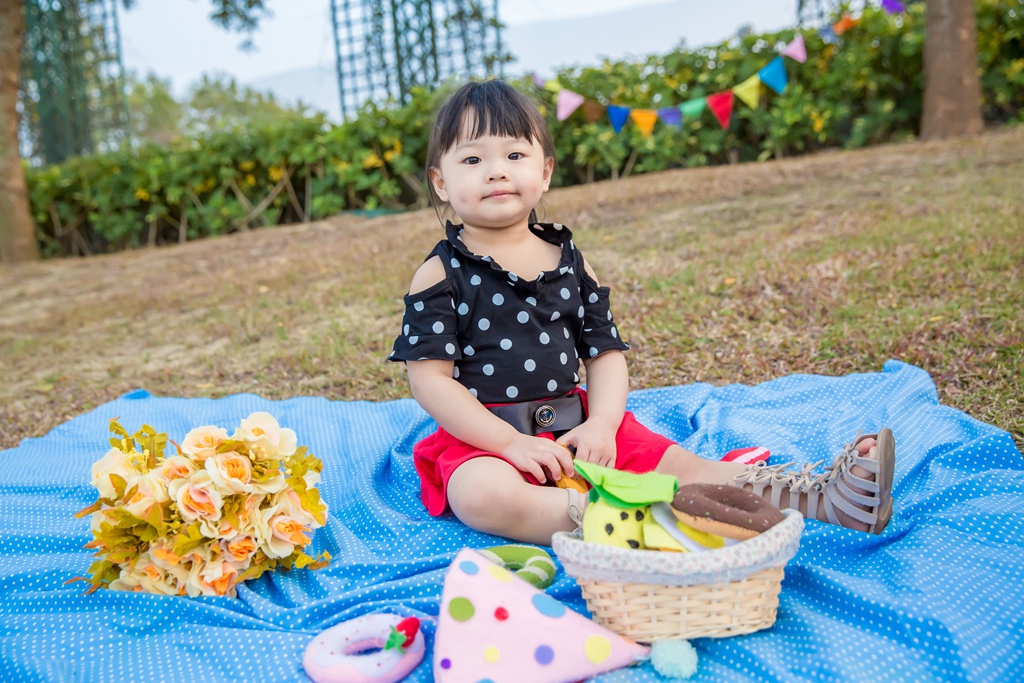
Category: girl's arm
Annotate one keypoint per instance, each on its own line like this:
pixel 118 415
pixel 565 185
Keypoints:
pixel 465 418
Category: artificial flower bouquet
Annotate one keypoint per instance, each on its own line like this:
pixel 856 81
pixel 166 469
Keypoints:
pixel 223 510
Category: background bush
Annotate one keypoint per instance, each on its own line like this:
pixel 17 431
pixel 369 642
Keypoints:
pixel 863 89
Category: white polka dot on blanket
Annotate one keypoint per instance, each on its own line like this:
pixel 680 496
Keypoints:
pixel 936 597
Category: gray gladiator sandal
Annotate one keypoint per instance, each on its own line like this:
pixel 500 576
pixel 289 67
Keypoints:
pixel 831 488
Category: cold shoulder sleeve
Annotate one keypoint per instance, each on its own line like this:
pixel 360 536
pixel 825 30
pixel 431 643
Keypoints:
pixel 599 331
pixel 428 326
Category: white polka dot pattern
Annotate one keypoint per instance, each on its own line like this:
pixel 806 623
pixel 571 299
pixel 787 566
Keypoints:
pixel 936 597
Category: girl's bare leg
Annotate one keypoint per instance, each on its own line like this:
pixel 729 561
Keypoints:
pixel 490 495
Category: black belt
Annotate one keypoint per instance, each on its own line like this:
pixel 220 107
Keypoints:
pixel 539 417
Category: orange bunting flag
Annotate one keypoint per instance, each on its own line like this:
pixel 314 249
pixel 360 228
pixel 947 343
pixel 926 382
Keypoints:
pixel 750 91
pixel 644 120
pixel 844 25
pixel 592 111
pixel 720 105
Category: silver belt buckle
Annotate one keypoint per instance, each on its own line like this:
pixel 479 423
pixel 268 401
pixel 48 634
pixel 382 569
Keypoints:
pixel 544 416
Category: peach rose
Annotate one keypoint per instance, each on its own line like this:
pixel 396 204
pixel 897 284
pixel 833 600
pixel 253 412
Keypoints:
pixel 147 576
pixel 261 432
pixel 176 467
pixel 239 550
pixel 279 532
pixel 114 462
pixel 230 472
pixel 162 554
pixel 202 442
pixel 198 498
pixel 216 577
pixel 149 491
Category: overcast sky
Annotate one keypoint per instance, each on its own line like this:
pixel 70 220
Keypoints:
pixel 176 40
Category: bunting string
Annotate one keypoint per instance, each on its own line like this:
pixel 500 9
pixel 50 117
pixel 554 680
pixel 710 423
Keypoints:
pixel 773 75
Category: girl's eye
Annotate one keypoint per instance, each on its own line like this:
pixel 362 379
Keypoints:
pixel 515 156
pixel 471 160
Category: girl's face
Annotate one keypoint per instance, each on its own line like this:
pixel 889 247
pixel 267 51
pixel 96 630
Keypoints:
pixel 492 181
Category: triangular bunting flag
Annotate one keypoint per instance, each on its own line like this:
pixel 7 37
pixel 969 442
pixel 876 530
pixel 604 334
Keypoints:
pixel 671 116
pixel 553 85
pixel 827 34
pixel 774 75
pixel 893 6
pixel 844 25
pixel 644 120
pixel 691 109
pixel 592 111
pixel 568 102
pixel 720 105
pixel 617 115
pixel 537 80
pixel 750 91
pixel 494 626
pixel 796 50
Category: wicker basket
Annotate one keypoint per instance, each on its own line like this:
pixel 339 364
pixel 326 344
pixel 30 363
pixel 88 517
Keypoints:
pixel 650 595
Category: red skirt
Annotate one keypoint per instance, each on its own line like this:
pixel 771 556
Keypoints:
pixel 637 448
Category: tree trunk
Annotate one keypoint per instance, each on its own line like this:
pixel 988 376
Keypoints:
pixel 17 233
pixel 952 89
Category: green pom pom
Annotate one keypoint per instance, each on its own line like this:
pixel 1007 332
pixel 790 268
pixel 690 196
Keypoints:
pixel 674 658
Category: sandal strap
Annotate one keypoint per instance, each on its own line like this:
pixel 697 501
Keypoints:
pixel 832 495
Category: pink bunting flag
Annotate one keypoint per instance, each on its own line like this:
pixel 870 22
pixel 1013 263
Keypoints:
pixel 568 102
pixel 720 105
pixel 893 6
pixel 796 50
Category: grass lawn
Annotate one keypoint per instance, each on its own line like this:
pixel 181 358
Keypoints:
pixel 826 264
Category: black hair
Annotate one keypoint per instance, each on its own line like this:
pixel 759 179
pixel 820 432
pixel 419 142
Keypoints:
pixel 497 109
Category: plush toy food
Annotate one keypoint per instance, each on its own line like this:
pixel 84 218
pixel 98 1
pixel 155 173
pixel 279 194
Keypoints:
pixel 619 504
pixel 722 510
pixel 494 627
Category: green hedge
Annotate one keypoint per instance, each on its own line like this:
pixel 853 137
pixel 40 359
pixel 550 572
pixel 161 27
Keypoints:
pixel 864 89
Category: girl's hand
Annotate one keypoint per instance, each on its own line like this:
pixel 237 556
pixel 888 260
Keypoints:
pixel 594 442
pixel 542 458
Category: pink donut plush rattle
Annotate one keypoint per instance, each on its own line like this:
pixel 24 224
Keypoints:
pixel 393 646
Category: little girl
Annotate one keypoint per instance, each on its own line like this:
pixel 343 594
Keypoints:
pixel 497 320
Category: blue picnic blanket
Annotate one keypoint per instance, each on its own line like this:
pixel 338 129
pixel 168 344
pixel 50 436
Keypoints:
pixel 937 596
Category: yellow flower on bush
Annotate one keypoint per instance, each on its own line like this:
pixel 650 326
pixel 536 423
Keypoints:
pixel 275 173
pixel 372 161
pixel 142 195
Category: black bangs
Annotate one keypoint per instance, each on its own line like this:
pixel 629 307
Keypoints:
pixel 491 108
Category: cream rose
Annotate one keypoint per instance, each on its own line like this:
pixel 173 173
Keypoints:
pixel 199 498
pixel 202 442
pixel 150 490
pixel 216 577
pixel 176 467
pixel 261 432
pixel 147 576
pixel 230 472
pixel 239 551
pixel 162 554
pixel 279 533
pixel 114 462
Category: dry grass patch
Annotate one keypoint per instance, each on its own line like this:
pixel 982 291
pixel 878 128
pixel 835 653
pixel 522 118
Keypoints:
pixel 827 264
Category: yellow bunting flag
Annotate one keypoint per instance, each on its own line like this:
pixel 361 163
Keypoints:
pixel 644 120
pixel 553 85
pixel 750 91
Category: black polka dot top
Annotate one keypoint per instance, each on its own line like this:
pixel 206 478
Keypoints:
pixel 511 339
